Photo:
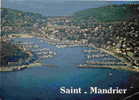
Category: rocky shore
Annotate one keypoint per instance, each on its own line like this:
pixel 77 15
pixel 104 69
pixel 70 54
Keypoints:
pixel 18 68
pixel 33 55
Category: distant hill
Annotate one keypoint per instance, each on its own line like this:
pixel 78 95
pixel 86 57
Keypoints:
pixel 114 28
pixel 108 13
pixel 13 16
pixel 52 8
pixel 14 21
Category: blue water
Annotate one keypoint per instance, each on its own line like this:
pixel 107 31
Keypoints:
pixel 54 8
pixel 43 83
pixel 57 7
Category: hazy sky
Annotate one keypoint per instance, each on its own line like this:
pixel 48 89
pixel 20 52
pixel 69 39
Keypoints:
pixel 56 0
pixel 72 0
pixel 68 0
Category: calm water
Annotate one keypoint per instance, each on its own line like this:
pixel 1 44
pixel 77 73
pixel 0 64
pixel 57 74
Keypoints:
pixel 52 8
pixel 43 83
pixel 57 7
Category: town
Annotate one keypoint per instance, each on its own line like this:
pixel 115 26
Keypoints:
pixel 118 38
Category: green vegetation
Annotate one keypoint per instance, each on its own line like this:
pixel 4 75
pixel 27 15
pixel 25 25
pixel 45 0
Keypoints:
pixel 14 21
pixel 106 14
pixel 115 26
pixel 14 55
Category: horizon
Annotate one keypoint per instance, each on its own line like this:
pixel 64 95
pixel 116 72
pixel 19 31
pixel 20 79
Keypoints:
pixel 59 8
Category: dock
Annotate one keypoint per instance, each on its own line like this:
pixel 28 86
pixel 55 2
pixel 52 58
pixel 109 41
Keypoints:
pixel 126 68
pixel 103 63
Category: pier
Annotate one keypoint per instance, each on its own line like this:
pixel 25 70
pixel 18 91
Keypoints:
pixel 126 68
pixel 103 63
pixel 102 59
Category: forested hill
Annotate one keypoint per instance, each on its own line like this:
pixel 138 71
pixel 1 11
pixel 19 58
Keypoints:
pixel 14 21
pixel 17 22
pixel 108 13
pixel 115 28
pixel 11 53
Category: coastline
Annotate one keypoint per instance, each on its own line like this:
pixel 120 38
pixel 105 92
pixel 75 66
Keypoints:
pixel 111 67
pixel 72 44
pixel 35 64
pixel 18 68
pixel 24 66
pixel 125 68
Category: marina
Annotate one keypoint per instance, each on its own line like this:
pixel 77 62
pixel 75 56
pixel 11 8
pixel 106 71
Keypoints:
pixel 69 50
pixel 48 72
pixel 114 67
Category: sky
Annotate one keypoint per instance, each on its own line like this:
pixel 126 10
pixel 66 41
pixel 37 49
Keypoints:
pixel 73 0
pixel 67 0
pixel 54 0
pixel 51 0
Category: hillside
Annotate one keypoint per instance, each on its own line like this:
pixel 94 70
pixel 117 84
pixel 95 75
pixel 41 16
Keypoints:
pixel 17 22
pixel 115 28
pixel 14 55
pixel 14 21
pixel 108 13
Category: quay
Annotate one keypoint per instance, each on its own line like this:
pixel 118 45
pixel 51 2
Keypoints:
pixel 92 62
pixel 97 56
pixel 126 68
pixel 90 51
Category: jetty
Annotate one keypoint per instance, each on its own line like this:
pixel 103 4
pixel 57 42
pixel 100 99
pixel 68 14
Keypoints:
pixel 97 56
pixel 103 63
pixel 102 59
pixel 90 51
pixel 126 68
pixel 18 68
